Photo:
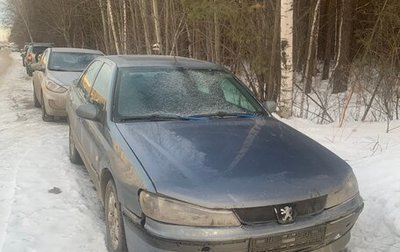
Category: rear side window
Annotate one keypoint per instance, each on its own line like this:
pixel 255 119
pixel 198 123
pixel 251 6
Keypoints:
pixel 101 86
pixel 89 76
pixel 39 49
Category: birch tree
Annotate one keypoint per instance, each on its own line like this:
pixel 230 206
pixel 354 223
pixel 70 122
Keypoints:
pixel 112 24
pixel 104 23
pixel 125 27
pixel 157 27
pixel 286 93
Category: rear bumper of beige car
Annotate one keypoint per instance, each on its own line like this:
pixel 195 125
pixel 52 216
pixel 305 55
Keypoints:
pixel 326 232
pixel 54 103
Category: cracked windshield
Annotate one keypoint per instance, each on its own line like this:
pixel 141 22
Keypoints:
pixel 199 125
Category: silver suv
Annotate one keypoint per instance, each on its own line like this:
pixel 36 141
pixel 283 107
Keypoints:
pixel 32 54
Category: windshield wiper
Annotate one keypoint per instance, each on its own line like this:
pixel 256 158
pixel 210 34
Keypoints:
pixel 154 117
pixel 222 114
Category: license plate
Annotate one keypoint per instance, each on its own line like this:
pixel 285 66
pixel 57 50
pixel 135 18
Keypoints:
pixel 289 241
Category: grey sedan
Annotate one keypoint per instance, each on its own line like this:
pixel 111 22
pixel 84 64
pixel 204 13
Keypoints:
pixel 56 70
pixel 184 158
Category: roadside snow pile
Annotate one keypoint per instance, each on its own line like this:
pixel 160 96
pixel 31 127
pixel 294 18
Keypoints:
pixel 375 158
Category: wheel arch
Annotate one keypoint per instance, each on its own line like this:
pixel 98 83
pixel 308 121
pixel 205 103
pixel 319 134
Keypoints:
pixel 105 176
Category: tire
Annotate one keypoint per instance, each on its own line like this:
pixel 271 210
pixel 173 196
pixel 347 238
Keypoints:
pixel 115 237
pixel 46 117
pixel 29 72
pixel 35 99
pixel 74 156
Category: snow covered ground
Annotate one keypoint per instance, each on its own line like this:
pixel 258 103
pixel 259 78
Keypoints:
pixel 48 204
pixel 375 158
pixel 34 160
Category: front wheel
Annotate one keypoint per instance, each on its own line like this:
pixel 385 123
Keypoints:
pixel 46 117
pixel 35 99
pixel 29 72
pixel 115 227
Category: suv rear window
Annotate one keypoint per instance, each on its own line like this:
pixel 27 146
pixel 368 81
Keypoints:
pixel 39 49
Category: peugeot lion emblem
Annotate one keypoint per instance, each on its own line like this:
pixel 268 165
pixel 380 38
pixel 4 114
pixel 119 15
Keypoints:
pixel 284 214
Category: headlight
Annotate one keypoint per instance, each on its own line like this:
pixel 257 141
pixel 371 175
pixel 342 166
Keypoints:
pixel 180 213
pixel 348 191
pixel 55 87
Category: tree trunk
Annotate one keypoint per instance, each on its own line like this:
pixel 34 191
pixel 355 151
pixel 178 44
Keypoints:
pixel 103 21
pixel 143 11
pixel 286 94
pixel 167 20
pixel 341 70
pixel 208 43
pixel 310 63
pixel 125 27
pixel 329 37
pixel 272 76
pixel 114 32
pixel 134 26
pixel 190 43
pixel 157 26
pixel 217 37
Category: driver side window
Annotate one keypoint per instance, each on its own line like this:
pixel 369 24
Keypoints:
pixel 233 95
pixel 85 84
pixel 101 86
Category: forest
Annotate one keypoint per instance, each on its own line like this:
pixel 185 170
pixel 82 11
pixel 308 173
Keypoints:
pixel 346 53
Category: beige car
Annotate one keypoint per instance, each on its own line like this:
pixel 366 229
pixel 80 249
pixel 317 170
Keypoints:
pixel 55 72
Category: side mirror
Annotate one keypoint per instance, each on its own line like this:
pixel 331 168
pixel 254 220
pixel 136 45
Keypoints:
pixel 88 111
pixel 270 106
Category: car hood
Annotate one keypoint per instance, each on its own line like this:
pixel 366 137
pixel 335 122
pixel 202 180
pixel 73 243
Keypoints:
pixel 233 163
pixel 62 77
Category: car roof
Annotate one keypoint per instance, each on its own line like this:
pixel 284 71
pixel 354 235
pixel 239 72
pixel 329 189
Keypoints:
pixel 41 44
pixel 160 61
pixel 75 50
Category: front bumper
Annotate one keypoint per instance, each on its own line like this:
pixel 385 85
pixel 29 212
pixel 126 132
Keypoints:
pixel 159 237
pixel 54 102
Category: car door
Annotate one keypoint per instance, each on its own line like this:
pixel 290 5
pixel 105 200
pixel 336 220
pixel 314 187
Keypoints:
pixel 79 94
pixel 95 133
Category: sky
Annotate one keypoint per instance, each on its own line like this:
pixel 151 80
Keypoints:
pixel 4 32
